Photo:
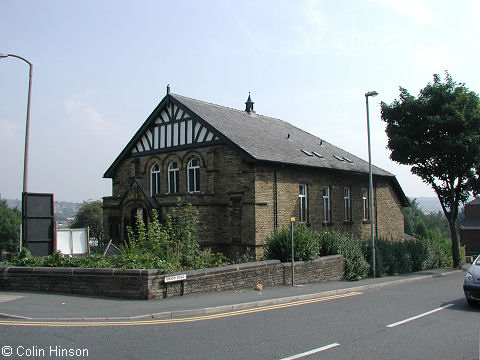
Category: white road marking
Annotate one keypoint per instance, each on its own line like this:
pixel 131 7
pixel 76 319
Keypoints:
pixel 5 298
pixel 314 351
pixel 419 316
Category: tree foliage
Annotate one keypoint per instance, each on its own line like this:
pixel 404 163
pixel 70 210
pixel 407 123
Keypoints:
pixel 10 220
pixel 438 135
pixel 90 214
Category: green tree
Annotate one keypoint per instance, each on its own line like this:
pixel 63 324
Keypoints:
pixel 438 135
pixel 10 220
pixel 90 214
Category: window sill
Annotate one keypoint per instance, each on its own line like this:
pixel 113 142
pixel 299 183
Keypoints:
pixel 347 222
pixel 183 194
pixel 365 221
pixel 327 224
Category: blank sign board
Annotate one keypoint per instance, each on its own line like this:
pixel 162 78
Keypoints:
pixel 72 241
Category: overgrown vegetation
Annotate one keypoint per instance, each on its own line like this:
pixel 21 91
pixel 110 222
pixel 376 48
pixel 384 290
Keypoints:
pixel 10 220
pixel 391 257
pixel 171 246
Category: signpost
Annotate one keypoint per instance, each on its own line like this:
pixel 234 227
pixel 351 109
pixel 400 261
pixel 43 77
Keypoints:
pixel 292 220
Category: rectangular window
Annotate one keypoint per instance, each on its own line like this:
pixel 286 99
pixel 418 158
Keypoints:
pixel 326 204
pixel 366 209
pixel 173 181
pixel 347 208
pixel 302 203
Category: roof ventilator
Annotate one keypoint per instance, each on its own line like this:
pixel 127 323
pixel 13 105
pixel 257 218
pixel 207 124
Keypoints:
pixel 249 104
pixel 338 158
pixel 307 152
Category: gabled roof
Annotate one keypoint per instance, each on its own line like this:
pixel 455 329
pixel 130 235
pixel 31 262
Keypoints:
pixel 273 140
pixel 473 202
pixel 257 138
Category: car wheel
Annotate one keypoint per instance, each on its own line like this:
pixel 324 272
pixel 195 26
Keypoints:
pixel 471 302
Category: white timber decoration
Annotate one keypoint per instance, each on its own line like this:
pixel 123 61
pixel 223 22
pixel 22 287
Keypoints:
pixel 173 128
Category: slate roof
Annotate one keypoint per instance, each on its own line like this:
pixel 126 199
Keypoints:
pixel 262 138
pixel 274 140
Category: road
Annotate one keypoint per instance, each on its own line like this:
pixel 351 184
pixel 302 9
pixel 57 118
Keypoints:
pixel 426 319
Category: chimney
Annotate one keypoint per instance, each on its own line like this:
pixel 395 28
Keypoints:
pixel 249 104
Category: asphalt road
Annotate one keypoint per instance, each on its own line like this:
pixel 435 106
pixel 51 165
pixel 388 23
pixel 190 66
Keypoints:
pixel 368 325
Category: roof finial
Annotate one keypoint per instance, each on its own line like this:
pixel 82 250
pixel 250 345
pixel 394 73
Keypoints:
pixel 249 104
pixel 168 89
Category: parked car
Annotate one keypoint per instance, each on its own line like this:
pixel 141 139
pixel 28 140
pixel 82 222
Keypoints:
pixel 471 286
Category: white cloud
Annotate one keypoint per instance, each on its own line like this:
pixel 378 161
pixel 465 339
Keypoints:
pixel 313 32
pixel 431 59
pixel 8 129
pixel 248 33
pixel 385 40
pixel 95 123
pixel 416 10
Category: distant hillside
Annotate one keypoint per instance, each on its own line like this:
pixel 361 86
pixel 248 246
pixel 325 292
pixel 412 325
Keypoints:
pixel 429 204
pixel 63 209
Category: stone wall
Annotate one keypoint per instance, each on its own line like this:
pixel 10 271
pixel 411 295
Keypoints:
pixel 150 284
pixel 95 282
pixel 277 188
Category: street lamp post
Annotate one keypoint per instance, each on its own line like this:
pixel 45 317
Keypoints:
pixel 27 125
pixel 370 181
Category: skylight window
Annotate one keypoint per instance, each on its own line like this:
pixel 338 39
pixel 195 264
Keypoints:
pixel 347 160
pixel 307 152
pixel 338 158
pixel 317 154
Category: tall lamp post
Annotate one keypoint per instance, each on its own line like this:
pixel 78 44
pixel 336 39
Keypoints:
pixel 27 126
pixel 370 181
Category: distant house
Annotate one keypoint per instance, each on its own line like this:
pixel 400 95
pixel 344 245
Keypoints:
pixel 247 174
pixel 470 230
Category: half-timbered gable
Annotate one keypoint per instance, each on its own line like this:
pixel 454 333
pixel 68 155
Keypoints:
pixel 246 174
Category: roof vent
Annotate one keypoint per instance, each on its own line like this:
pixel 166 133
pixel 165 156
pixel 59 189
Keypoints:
pixel 249 104
pixel 168 89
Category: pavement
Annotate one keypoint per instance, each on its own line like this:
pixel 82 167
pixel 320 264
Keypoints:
pixel 56 307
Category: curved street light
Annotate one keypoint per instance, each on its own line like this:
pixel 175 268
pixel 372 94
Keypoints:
pixel 370 182
pixel 27 126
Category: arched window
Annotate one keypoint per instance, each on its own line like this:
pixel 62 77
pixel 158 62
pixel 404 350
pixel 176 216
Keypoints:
pixel 193 175
pixel 154 179
pixel 173 184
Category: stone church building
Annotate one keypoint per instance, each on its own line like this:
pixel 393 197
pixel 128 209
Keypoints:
pixel 246 174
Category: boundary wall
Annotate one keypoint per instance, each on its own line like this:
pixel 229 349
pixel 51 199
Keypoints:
pixel 150 284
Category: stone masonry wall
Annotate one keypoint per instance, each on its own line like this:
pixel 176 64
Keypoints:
pixel 149 284
pixel 387 207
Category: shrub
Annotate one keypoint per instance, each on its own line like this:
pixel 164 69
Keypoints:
pixel 306 244
pixel 170 247
pixel 334 242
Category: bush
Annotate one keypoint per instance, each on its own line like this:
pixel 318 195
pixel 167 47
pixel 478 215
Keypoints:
pixel 335 242
pixel 170 247
pixel 312 244
pixel 279 244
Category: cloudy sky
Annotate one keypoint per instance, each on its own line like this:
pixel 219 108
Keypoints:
pixel 101 67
